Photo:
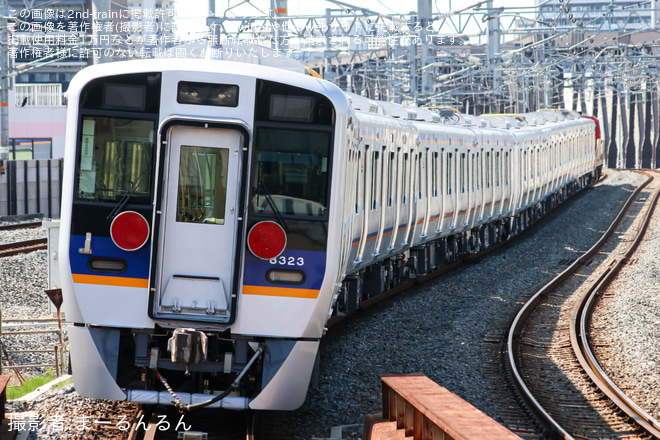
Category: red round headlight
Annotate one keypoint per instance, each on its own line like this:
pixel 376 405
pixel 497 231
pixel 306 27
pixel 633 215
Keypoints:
pixel 129 231
pixel 266 240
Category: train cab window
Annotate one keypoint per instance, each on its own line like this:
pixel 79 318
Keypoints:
pixel 115 159
pixel 292 159
pixel 291 172
pixel 202 187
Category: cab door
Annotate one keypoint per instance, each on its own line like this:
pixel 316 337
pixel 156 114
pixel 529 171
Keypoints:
pixel 197 253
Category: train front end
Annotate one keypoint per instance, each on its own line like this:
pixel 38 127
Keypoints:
pixel 199 235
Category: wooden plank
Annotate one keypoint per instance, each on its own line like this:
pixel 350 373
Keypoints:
pixel 453 415
pixel 4 380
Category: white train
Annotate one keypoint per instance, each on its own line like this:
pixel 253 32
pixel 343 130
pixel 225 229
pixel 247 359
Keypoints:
pixel 215 215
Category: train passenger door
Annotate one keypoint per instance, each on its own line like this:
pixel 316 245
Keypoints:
pixel 196 258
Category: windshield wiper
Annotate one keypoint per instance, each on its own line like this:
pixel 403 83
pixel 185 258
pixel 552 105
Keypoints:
pixel 122 202
pixel 264 191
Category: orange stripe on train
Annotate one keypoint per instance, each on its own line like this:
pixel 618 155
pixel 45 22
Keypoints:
pixel 286 292
pixel 110 281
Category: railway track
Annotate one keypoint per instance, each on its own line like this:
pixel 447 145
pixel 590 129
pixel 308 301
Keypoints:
pixel 23 247
pixel 17 226
pixel 548 354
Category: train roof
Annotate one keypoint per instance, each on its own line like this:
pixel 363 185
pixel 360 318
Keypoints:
pixel 210 67
pixel 451 116
pixel 445 116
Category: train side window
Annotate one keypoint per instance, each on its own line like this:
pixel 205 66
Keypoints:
pixel 202 187
pixel 358 167
pixel 487 159
pixel 497 168
pixel 535 163
pixel 414 176
pixel 374 180
pixel 472 173
pixel 507 167
pixel 477 171
pixel 440 171
pixel 386 185
pixel 461 173
pixel 480 170
pixel 422 177
pixel 391 187
pixel 434 174
pixel 404 181
pixel 365 178
pixel 450 172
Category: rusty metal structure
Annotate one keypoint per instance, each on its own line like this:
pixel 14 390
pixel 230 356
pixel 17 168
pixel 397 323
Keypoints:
pixel 595 56
pixel 592 56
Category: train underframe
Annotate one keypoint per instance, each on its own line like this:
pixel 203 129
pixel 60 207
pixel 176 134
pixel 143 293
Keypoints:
pixel 421 260
pixel 192 368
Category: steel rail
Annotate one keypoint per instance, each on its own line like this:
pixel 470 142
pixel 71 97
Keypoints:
pixel 17 226
pixel 23 247
pixel 513 336
pixel 581 316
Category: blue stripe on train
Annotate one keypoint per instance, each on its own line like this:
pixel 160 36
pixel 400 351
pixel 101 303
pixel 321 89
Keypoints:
pixel 104 247
pixel 312 263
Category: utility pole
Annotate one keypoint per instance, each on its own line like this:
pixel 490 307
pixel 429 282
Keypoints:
pixel 4 80
pixel 413 62
pixel 494 45
pixel 424 16
pixel 279 13
pixel 102 35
